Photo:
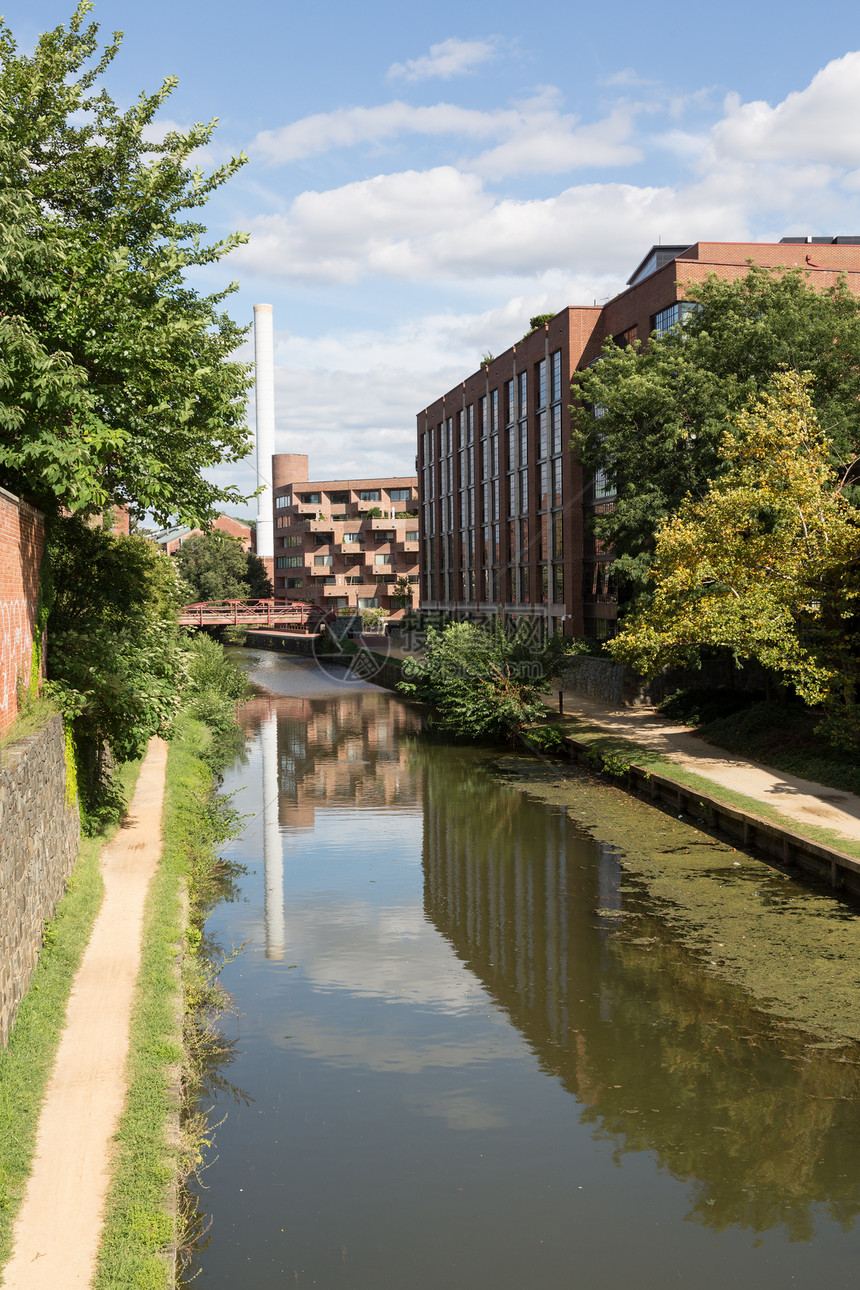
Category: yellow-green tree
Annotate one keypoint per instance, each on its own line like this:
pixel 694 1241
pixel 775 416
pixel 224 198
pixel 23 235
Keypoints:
pixel 765 564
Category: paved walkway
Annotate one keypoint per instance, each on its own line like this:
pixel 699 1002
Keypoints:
pixel 798 799
pixel 58 1229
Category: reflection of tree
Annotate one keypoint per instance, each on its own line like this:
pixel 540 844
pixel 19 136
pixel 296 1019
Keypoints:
pixel 664 1057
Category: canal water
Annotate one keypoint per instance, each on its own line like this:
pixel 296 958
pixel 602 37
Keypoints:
pixel 453 1067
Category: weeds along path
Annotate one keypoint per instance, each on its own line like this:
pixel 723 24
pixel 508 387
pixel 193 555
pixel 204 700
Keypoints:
pixel 58 1229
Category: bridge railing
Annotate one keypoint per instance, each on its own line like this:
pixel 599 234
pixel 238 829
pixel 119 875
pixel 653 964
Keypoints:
pixel 253 613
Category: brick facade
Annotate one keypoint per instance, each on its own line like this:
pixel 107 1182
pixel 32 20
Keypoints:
pixel 330 551
pixel 504 506
pixel 22 543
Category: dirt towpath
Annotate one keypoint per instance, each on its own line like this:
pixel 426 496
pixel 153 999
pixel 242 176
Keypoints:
pixel 797 799
pixel 58 1229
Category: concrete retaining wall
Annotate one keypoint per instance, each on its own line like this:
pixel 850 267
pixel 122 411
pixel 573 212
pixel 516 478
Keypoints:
pixel 39 835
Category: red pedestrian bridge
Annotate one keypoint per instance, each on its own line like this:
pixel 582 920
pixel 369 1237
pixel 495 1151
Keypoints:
pixel 288 615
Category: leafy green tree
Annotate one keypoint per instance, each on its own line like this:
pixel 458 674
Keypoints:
pixel 765 564
pixel 485 682
pixel 117 384
pixel 215 567
pixel 116 657
pixel 653 419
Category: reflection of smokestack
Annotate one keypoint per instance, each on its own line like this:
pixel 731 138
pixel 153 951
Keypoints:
pixel 264 357
pixel 272 855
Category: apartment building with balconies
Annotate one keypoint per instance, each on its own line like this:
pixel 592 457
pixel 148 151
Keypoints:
pixel 345 543
pixel 505 507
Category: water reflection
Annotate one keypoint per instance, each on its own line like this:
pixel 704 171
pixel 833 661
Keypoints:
pixel 662 1056
pixel 475 1051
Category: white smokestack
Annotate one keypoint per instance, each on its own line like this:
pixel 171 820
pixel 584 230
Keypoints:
pixel 264 357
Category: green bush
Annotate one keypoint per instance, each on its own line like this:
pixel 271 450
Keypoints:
pixel 485 682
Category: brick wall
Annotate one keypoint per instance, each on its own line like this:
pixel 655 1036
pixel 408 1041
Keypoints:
pixel 22 541
pixel 39 832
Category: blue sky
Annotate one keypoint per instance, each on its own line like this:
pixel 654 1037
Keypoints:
pixel 423 179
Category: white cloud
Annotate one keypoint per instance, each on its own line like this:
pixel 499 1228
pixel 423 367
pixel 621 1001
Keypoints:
pixel 546 142
pixel 347 127
pixel 627 76
pixel 818 123
pixel 452 57
pixel 536 136
pixel 423 225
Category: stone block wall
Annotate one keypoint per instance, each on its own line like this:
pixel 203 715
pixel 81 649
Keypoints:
pixel 39 834
pixel 22 542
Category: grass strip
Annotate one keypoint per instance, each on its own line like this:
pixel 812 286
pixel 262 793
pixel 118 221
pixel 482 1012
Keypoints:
pixel 139 1237
pixel 27 1060
pixel 617 747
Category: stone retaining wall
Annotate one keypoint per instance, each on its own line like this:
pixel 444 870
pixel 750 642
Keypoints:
pixel 619 686
pixel 39 835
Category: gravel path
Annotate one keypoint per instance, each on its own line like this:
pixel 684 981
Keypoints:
pixel 58 1229
pixel 797 799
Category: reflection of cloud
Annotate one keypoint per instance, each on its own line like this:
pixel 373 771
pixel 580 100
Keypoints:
pixel 462 1110
pixel 404 1055
pixel 389 953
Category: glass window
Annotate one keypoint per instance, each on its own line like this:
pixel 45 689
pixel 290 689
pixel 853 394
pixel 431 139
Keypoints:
pixel 522 394
pixel 310 499
pixel 672 316
pixel 558 535
pixel 541 435
pixel 281 502
pixel 292 539
pixel 339 498
pixel 293 582
pixel 382 557
pixel 509 403
pixel 367 602
pixel 556 428
pixel 400 494
pixel 524 490
pixel 512 494
pixel 558 583
pixel 350 538
pixel 603 486
pixel 494 410
pixel 288 562
pixel 540 392
pixel 542 499
pixel 555 376
pixel 411 535
pixel 524 442
pixel 326 560
pixel 482 415
pixel 369 495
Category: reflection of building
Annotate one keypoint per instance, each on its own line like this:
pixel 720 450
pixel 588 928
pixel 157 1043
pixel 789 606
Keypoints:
pixel 345 542
pixel 504 505
pixel 338 752
pixel 656 1051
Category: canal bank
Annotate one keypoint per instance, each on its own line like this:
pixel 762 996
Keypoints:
pixel 472 1043
pixel 796 823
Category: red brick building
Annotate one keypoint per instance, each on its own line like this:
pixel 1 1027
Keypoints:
pixel 22 542
pixel 345 542
pixel 503 501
